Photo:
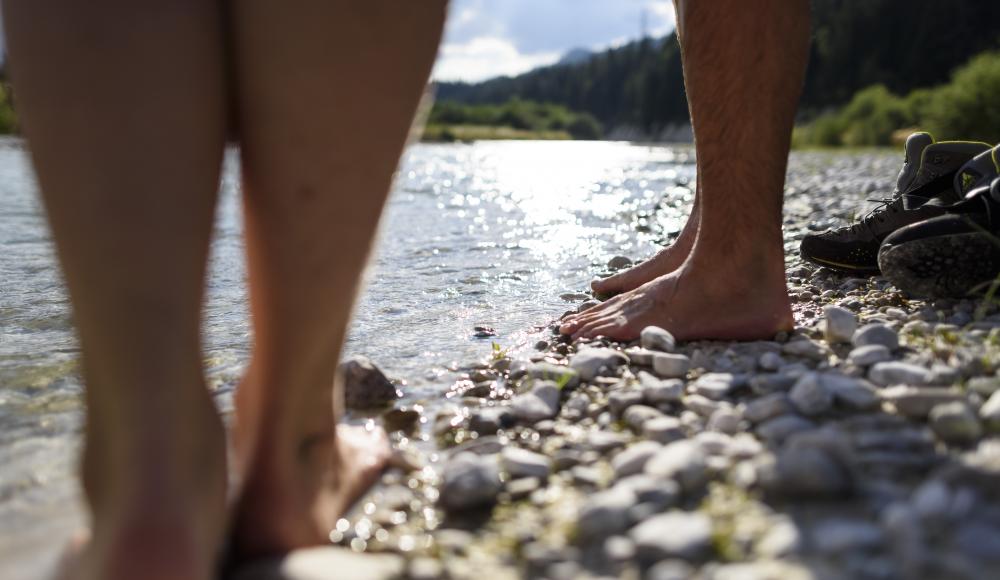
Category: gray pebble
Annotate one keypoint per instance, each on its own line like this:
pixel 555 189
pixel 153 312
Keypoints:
pixel 542 402
pixel 656 338
pixel 767 407
pixel 682 461
pixel 955 422
pixel 990 413
pixel 670 366
pixel 865 356
pixel 633 460
pixel 876 333
pixel 675 534
pixel 605 513
pixel 519 463
pixel 780 428
pixel 713 385
pixel 917 402
pixel 770 361
pixel 840 324
pixel 622 399
pixel 592 362
pixel 899 373
pixel 469 481
pixel 810 397
pixel 663 429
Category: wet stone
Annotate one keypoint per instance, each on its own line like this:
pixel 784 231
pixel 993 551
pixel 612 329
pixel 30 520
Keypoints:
pixel 865 356
pixel 876 334
pixel 365 386
pixel 405 420
pixel 658 339
pixel 675 534
pixel 955 423
pixel 670 366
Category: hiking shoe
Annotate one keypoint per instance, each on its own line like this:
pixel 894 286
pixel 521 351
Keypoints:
pixel 957 254
pixel 931 178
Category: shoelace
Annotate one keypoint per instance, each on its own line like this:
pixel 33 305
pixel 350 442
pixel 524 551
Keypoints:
pixel 885 204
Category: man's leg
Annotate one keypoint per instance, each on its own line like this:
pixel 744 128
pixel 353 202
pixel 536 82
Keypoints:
pixel 123 105
pixel 327 92
pixel 744 64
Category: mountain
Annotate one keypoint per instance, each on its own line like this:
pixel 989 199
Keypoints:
pixel 576 56
pixel 903 44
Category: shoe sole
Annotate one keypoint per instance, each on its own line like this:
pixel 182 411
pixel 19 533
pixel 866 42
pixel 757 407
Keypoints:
pixel 942 266
pixel 841 267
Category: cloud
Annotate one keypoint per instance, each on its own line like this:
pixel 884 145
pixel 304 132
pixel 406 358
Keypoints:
pixel 486 38
pixel 486 57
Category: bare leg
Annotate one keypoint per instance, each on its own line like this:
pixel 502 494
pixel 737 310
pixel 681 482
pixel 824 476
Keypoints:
pixel 664 262
pixel 744 64
pixel 126 126
pixel 327 92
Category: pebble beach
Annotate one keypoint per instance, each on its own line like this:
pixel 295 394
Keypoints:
pixel 864 444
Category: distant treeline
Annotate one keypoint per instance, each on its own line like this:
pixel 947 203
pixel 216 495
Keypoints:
pixel 968 107
pixel 903 45
pixel 450 121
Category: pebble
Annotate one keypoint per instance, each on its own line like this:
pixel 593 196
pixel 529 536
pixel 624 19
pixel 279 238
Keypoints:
pixel 637 415
pixel 806 348
pixel 770 361
pixel 840 535
pixel 767 407
pixel 659 392
pixel 559 374
pixel 604 441
pixel 990 413
pixel 725 420
pixel 622 399
pixel 876 334
pixel 591 362
pixel 670 366
pixel 809 471
pixel 633 460
pixel 619 263
pixel 671 570
pixel 778 429
pixel 810 397
pixel 619 549
pixel 840 324
pixel 683 461
pixel 520 463
pixel 489 420
pixel 849 392
pixel 605 513
pixel 656 338
pixel 663 429
pixel 765 570
pixel 640 356
pixel 365 386
pixel 675 534
pixel 917 402
pixel 713 385
pixel 899 373
pixel 869 354
pixel 985 386
pixel 542 402
pixel 955 422
pixel 469 481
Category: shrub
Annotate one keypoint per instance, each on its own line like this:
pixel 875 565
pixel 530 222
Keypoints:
pixel 969 106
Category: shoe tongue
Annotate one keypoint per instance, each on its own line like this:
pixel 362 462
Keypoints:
pixel 914 148
pixel 979 171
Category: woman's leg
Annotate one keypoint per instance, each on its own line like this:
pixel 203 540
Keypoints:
pixel 123 105
pixel 327 92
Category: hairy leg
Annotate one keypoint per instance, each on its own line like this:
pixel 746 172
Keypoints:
pixel 327 92
pixel 744 65
pixel 664 262
pixel 126 127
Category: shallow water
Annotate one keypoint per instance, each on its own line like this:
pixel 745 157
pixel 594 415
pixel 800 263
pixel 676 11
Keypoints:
pixel 484 234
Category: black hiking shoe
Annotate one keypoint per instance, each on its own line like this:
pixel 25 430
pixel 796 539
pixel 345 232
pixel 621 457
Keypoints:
pixel 957 254
pixel 930 178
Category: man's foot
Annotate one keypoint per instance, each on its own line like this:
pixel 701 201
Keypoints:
pixel 664 262
pixel 692 303
pixel 293 500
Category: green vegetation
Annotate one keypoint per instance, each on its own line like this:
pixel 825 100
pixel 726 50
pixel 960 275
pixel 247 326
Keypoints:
pixel 968 107
pixel 8 121
pixel 904 45
pixel 514 119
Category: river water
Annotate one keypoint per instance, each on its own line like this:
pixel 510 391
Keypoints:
pixel 489 234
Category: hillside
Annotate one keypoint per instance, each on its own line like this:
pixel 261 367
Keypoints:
pixel 903 44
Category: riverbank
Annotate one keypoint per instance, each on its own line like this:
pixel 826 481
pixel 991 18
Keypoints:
pixel 862 445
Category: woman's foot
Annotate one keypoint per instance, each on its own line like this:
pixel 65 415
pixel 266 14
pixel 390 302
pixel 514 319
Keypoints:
pixel 664 262
pixel 693 302
pixel 293 498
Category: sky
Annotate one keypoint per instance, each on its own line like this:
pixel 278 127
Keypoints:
pixel 488 38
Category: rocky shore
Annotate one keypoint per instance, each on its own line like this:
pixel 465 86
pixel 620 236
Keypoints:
pixel 864 444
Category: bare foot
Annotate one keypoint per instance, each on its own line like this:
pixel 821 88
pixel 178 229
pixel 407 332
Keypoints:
pixel 692 303
pixel 664 262
pixel 294 501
